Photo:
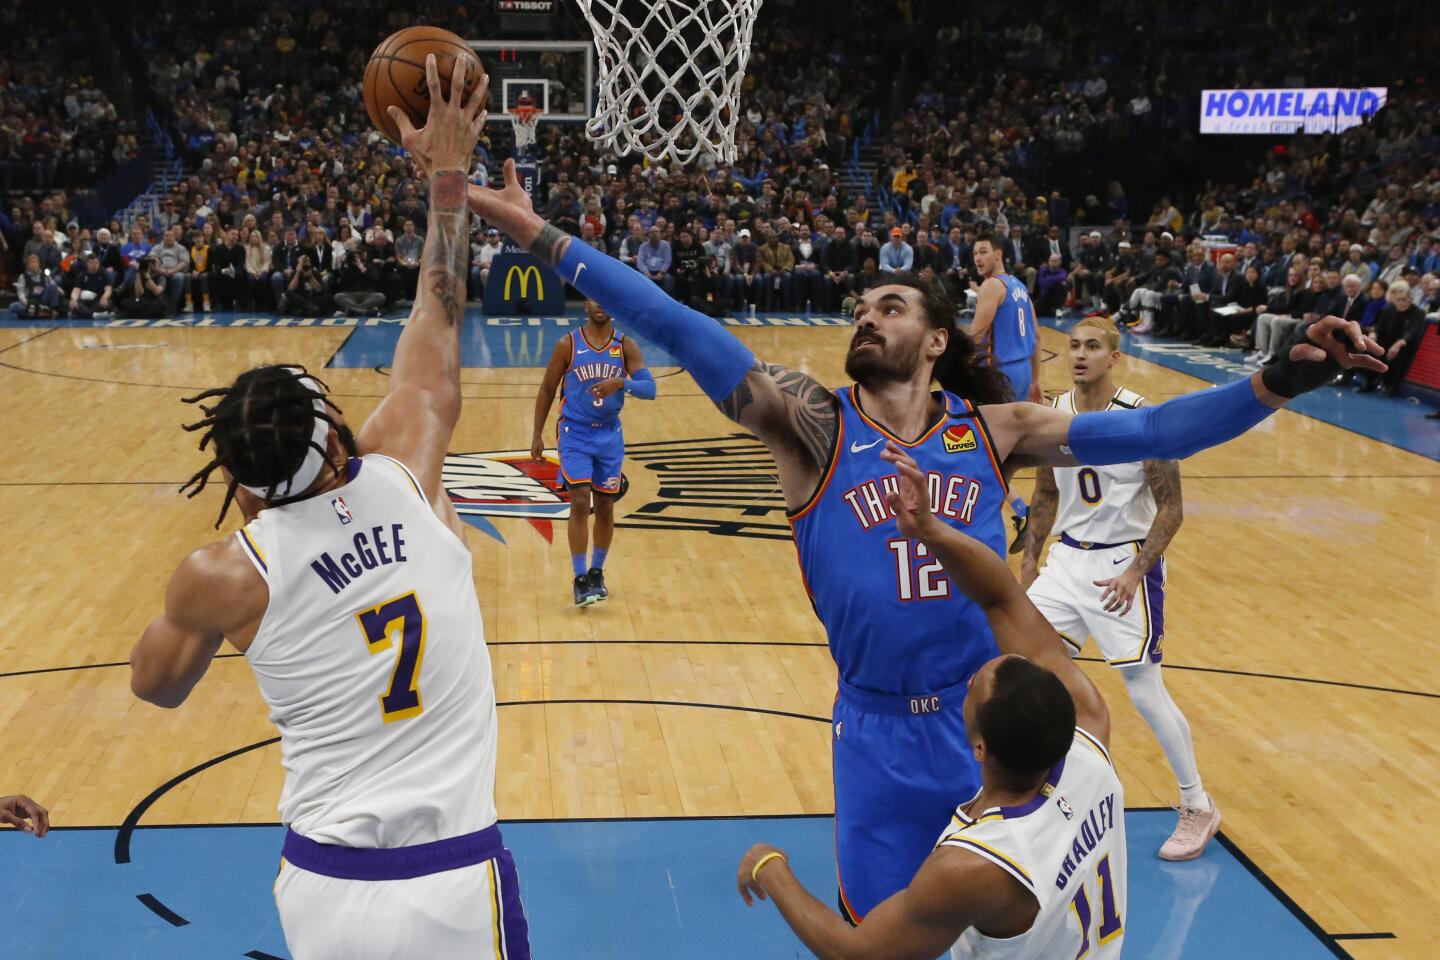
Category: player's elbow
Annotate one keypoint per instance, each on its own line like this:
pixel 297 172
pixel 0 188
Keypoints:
pixel 152 689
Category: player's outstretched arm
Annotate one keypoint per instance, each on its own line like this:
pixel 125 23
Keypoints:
pixel 1028 433
pixel 987 302
pixel 415 421
pixel 794 415
pixel 983 577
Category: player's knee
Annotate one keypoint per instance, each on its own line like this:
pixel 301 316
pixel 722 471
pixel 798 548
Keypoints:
pixel 580 500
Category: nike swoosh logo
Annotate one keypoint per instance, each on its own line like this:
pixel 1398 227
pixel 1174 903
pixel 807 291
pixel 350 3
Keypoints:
pixel 861 447
pixel 1121 560
pixel 579 269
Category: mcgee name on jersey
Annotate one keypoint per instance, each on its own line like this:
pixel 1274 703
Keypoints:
pixel 371 550
pixel 1094 826
pixel 953 497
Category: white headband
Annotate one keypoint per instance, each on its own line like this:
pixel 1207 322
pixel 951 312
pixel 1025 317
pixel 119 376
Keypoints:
pixel 309 468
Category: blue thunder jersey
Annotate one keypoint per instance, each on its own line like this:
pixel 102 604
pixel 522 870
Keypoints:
pixel 1013 335
pixel 589 366
pixel 895 622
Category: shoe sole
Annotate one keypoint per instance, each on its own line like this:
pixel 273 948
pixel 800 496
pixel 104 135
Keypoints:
pixel 588 601
pixel 1214 829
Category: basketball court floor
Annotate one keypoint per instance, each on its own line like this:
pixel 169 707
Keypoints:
pixel 648 741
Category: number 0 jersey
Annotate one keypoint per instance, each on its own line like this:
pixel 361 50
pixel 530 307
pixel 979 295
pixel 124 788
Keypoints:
pixel 1111 504
pixel 371 656
pixel 1067 847
pixel 895 623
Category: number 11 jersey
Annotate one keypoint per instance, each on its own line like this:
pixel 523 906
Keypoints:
pixel 371 656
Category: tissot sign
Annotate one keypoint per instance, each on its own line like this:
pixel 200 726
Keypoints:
pixel 1289 109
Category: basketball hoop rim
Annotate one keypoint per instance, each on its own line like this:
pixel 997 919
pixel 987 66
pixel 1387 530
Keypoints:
pixel 524 115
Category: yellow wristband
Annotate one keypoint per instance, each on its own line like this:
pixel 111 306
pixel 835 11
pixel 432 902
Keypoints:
pixel 755 870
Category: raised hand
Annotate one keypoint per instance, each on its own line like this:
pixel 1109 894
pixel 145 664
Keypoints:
pixel 452 128
pixel 1335 337
pixel 508 209
pixel 911 503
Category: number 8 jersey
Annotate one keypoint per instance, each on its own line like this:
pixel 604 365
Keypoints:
pixel 1111 504
pixel 371 656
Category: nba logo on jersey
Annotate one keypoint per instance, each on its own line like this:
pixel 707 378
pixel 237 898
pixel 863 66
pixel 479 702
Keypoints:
pixel 1065 808
pixel 341 511
pixel 959 438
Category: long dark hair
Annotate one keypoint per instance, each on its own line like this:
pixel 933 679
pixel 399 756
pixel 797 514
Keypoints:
pixel 959 369
pixel 262 429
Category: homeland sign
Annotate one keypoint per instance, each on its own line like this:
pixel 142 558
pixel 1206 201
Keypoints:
pixel 1288 110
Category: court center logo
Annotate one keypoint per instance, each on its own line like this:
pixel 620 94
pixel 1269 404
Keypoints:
pixel 723 485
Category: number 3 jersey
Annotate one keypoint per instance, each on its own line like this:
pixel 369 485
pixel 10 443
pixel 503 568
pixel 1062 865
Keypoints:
pixel 1067 848
pixel 1109 504
pixel 895 622
pixel 371 656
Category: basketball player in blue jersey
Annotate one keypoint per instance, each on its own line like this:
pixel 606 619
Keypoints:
pixel 906 642
pixel 593 368
pixel 351 594
pixel 1005 329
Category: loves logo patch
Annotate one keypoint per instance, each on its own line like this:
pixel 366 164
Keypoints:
pixel 959 438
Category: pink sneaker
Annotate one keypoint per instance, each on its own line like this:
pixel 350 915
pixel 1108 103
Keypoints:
pixel 1144 326
pixel 1192 833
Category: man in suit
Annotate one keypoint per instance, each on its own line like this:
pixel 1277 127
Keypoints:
pixel 1054 245
pixel 1019 257
pixel 1197 282
pixel 1274 275
pixel 1223 289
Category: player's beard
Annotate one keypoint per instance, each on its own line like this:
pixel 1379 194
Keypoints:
pixel 891 363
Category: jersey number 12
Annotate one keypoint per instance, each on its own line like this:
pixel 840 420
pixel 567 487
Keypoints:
pixel 400 619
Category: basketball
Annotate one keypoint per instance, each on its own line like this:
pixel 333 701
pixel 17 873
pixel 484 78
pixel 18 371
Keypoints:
pixel 395 74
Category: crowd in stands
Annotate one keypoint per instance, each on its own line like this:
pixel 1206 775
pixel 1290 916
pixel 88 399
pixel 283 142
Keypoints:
pixel 293 204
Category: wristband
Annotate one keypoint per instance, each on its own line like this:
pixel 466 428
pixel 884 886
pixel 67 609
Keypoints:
pixel 755 870
pixel 1289 378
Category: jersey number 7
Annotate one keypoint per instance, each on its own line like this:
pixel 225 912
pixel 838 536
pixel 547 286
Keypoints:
pixel 400 618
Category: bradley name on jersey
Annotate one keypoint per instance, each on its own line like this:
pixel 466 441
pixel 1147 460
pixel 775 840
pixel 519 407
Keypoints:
pixel 1093 827
pixel 953 497
pixel 373 549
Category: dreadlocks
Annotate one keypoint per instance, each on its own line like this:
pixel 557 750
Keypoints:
pixel 263 428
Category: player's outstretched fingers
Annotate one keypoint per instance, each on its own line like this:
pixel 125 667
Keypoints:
pixel 475 106
pixel 432 83
pixel 457 84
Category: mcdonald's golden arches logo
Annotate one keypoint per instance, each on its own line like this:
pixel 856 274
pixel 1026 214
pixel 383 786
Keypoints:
pixel 527 273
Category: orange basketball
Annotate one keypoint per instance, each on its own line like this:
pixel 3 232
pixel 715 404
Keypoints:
pixel 395 74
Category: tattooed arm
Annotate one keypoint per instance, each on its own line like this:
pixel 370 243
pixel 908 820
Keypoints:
pixel 794 415
pixel 1043 504
pixel 1118 593
pixel 415 421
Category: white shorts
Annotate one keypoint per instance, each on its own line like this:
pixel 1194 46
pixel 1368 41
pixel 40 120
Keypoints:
pixel 1065 593
pixel 450 915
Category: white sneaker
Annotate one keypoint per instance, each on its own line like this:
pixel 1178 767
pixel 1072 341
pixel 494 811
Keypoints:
pixel 1192 833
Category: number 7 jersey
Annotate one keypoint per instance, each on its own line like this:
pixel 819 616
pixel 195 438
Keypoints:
pixel 371 656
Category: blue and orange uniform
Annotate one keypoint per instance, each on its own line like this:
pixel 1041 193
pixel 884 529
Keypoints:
pixel 1012 338
pixel 591 444
pixel 905 640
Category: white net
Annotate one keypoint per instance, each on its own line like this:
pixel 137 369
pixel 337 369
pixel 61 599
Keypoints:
pixel 524 120
pixel 670 75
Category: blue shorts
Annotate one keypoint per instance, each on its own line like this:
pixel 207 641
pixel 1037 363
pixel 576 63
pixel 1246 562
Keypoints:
pixel 901 766
pixel 1018 372
pixel 591 455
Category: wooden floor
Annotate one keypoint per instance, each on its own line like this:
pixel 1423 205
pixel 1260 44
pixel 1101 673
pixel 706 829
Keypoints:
pixel 1307 552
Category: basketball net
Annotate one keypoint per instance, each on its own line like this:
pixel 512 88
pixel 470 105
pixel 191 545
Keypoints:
pixel 670 75
pixel 525 121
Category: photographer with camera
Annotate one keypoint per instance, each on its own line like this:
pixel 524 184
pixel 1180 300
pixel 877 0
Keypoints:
pixel 145 295
pixel 358 289
pixel 305 294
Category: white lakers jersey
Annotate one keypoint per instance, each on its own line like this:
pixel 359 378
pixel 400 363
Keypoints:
pixel 1067 847
pixel 1104 504
pixel 371 656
